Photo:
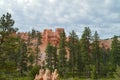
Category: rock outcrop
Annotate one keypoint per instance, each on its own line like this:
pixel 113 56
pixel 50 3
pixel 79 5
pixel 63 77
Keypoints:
pixel 46 75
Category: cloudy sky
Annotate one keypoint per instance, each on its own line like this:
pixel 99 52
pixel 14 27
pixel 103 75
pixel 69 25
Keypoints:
pixel 100 15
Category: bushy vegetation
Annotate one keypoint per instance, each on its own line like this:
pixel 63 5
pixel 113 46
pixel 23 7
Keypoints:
pixel 33 72
pixel 117 73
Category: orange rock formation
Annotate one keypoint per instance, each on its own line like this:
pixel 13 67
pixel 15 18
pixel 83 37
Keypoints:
pixel 48 36
pixel 106 44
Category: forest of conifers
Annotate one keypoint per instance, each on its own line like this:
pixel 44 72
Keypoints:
pixel 86 60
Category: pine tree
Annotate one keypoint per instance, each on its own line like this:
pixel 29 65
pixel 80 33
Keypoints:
pixel 6 26
pixel 8 45
pixel 105 62
pixel 85 43
pixel 73 41
pixel 79 61
pixel 96 53
pixel 115 52
pixel 33 34
pixel 54 58
pixel 29 39
pixel 37 51
pixel 22 63
pixel 62 55
pixel 39 37
pixel 51 61
pixel 31 54
pixel 38 43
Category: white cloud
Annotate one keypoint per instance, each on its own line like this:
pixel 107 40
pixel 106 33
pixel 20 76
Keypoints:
pixel 52 1
pixel 1 2
pixel 69 14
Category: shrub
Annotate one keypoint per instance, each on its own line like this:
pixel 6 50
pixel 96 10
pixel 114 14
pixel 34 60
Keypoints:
pixel 33 72
pixel 117 73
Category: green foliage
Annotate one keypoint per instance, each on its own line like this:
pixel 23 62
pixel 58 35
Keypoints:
pixel 9 46
pixel 22 60
pixel 39 37
pixel 96 53
pixel 33 34
pixel 21 78
pixel 93 72
pixel 62 60
pixel 85 45
pixel 115 52
pixel 85 50
pixel 51 57
pixel 54 58
pixel 76 78
pixel 30 61
pixel 117 73
pixel 34 71
pixel 72 45
pixel 6 26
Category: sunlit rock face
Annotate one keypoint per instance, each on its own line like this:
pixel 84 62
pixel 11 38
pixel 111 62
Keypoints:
pixel 106 44
pixel 48 36
pixel 46 75
pixel 52 37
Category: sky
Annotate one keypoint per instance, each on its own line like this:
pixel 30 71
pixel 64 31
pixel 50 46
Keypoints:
pixel 102 16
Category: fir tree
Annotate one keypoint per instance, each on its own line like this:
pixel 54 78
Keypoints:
pixel 62 55
pixel 22 63
pixel 85 43
pixel 96 53
pixel 38 43
pixel 51 61
pixel 6 27
pixel 115 52
pixel 9 46
pixel 54 58
pixel 33 34
pixel 73 41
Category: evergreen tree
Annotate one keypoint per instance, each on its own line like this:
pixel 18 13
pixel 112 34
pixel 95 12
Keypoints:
pixel 39 37
pixel 96 53
pixel 6 26
pixel 54 58
pixel 51 57
pixel 22 63
pixel 79 59
pixel 8 45
pixel 8 55
pixel 105 63
pixel 73 41
pixel 29 39
pixel 33 34
pixel 37 51
pixel 85 43
pixel 115 52
pixel 62 55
